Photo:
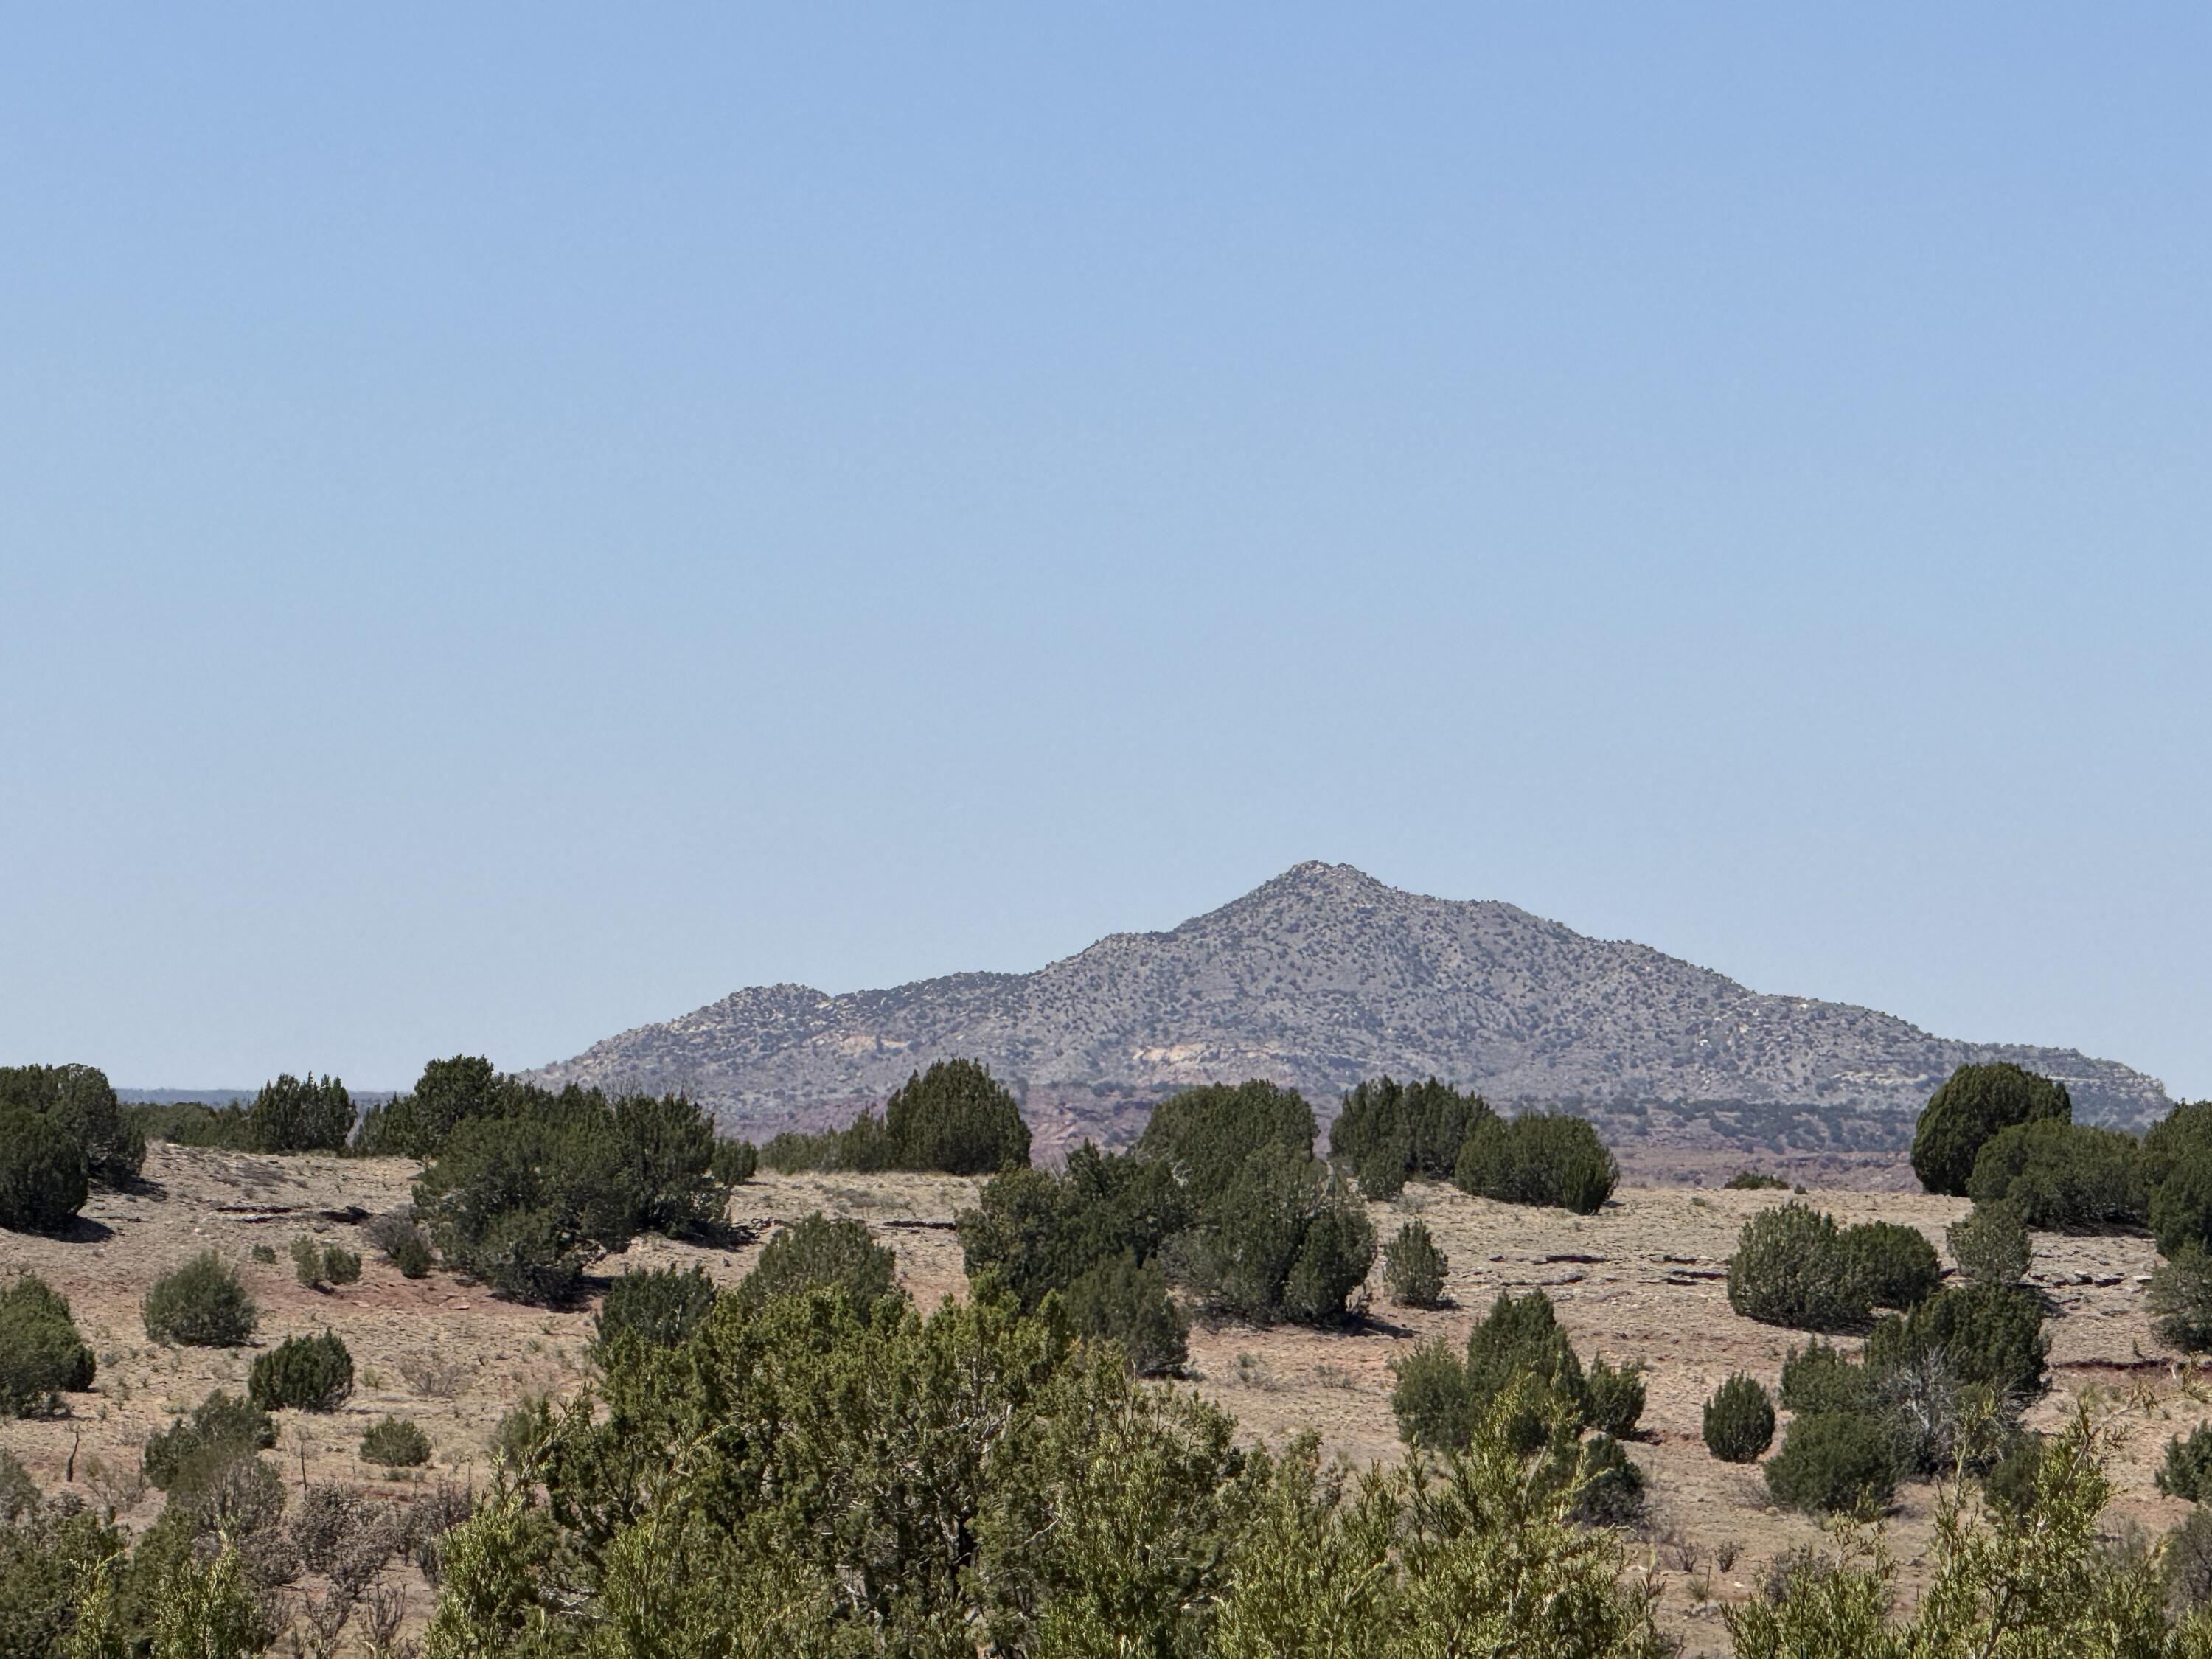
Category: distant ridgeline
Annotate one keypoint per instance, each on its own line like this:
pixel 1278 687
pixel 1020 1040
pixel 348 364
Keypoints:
pixel 1317 980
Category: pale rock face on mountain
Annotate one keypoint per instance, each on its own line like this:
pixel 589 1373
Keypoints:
pixel 1318 979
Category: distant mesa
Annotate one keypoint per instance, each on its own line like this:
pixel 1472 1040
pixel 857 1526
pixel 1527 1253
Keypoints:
pixel 1318 979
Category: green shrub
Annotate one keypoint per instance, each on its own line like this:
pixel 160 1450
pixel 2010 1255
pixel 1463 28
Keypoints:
pixel 1895 1264
pixel 1832 1462
pixel 818 1253
pixel 78 1100
pixel 663 1306
pixel 264 1254
pixel 2187 1471
pixel 1120 1301
pixel 1823 1378
pixel 307 1263
pixel 449 1093
pixel 1616 1397
pixel 192 1123
pixel 1386 1131
pixel 1986 1334
pixel 955 1118
pixel 1382 1174
pixel 411 1255
pixel 42 1357
pixel 2180 1211
pixel 19 1493
pixel 1413 1267
pixel 1739 1421
pixel 303 1373
pixel 1036 1232
pixel 1971 1106
pixel 340 1265
pixel 2009 1485
pixel 42 1174
pixel 1991 1245
pixel 1538 1159
pixel 1750 1181
pixel 1441 1398
pixel 221 1427
pixel 395 1444
pixel 2181 1296
pixel 202 1304
pixel 524 1203
pixel 2066 1176
pixel 2182 1137
pixel 301 1114
pixel 1794 1266
pixel 1611 1491
pixel 667 1142
pixel 1208 1134
pixel 1282 1241
pixel 733 1161
pixel 2185 1563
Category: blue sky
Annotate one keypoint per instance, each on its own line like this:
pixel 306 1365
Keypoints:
pixel 514 525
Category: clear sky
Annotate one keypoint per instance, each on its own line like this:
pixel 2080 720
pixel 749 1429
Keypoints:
pixel 516 522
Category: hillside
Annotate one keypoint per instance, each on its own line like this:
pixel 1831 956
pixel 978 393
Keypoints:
pixel 1317 979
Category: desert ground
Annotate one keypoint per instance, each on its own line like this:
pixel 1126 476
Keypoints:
pixel 1643 1279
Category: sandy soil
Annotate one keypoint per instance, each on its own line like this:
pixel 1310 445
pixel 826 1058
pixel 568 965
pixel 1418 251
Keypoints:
pixel 1643 1280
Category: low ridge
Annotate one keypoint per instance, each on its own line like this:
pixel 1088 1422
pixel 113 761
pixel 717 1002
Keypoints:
pixel 1317 979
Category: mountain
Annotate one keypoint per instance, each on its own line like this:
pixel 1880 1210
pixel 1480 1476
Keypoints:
pixel 1321 977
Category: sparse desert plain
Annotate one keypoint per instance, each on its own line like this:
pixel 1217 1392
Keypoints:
pixel 1644 1279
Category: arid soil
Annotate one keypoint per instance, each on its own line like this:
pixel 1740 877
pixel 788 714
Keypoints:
pixel 1643 1280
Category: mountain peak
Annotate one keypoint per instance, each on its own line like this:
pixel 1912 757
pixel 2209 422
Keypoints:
pixel 1317 978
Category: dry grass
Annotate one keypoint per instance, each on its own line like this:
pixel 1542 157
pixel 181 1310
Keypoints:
pixel 1641 1280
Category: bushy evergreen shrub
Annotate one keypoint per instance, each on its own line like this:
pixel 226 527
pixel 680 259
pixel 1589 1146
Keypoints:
pixel 2180 1210
pixel 818 1253
pixel 1282 1241
pixel 78 1101
pixel 411 1255
pixel 1987 1334
pixel 192 1123
pixel 1793 1266
pixel 202 1304
pixel 1413 1267
pixel 2185 1563
pixel 450 1093
pixel 1538 1159
pixel 957 1119
pixel 1441 1398
pixel 1738 1420
pixel 42 1174
pixel 42 1357
pixel 1991 1245
pixel 2181 1138
pixel 301 1114
pixel 395 1444
pixel 302 1373
pixel 1750 1180
pixel 1824 1379
pixel 667 1141
pixel 2187 1472
pixel 662 1306
pixel 1611 1487
pixel 2064 1177
pixel 1616 1395
pixel 1121 1301
pixel 319 1265
pixel 1832 1462
pixel 1207 1135
pixel 2181 1296
pixel 1895 1264
pixel 1971 1106
pixel 733 1161
pixel 1386 1131
pixel 222 1427
pixel 2009 1485
pixel 1036 1232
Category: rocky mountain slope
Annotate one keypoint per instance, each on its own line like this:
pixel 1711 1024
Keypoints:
pixel 1321 977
